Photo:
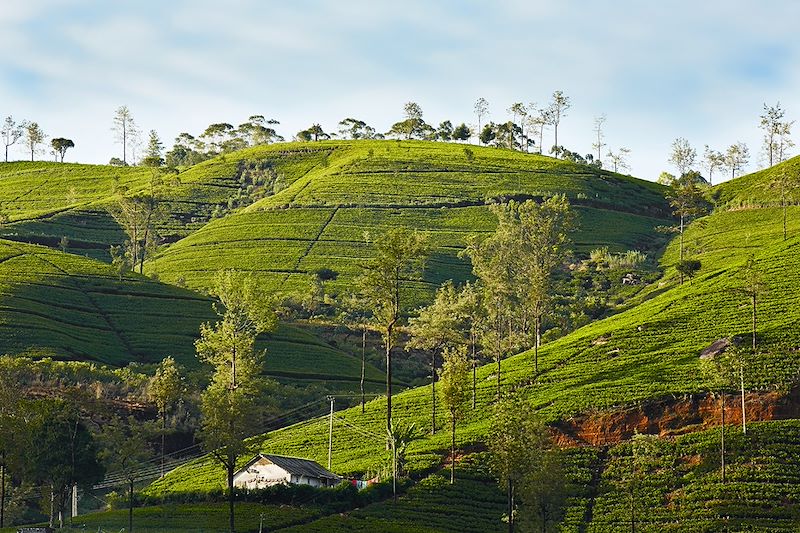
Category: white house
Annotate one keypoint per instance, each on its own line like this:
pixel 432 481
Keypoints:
pixel 265 470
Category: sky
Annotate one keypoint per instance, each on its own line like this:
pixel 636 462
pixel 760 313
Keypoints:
pixel 701 70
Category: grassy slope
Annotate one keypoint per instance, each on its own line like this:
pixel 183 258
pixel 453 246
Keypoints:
pixel 349 190
pixel 70 307
pixel 650 351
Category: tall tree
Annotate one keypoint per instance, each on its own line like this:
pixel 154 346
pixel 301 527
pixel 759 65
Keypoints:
pixel 123 125
pixel 258 130
pixel 517 110
pixel 481 110
pixel 542 245
pixel 598 144
pixel 559 105
pixel 752 287
pixel 165 390
pixel 11 132
pixel 154 154
pixel 619 159
pixel 34 136
pixel 445 131
pixel 682 155
pixel 736 158
pixel 771 121
pixel 435 328
pixel 472 316
pixel 355 129
pixel 712 160
pixel 399 257
pixel 126 453
pixel 786 184
pixel 539 119
pixel 412 126
pixel 138 214
pixel 636 470
pixel 461 132
pixel 455 391
pixel 687 202
pixel 517 442
pixel 230 403
pixel 61 145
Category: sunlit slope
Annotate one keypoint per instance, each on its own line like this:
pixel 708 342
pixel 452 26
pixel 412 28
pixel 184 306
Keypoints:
pixel 330 216
pixel 762 188
pixel 648 352
pixel 69 307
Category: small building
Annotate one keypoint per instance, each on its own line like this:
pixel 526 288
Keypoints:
pixel 265 470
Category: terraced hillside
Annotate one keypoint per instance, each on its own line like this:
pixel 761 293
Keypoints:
pixel 338 196
pixel 647 353
pixel 65 306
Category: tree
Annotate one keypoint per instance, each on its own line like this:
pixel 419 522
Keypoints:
pixel 784 141
pixel 313 133
pixel 11 429
pixel 60 451
pixel 682 155
pixel 619 160
pixel 558 110
pixel 138 215
pixel 455 390
pixel 220 137
pixel 786 185
pixel 165 389
pixel 539 119
pixel 488 133
pixel 517 442
pixel 481 110
pixel 34 136
pixel 434 329
pixel 541 245
pixel 11 132
pixel 126 453
pixel 752 287
pixel 155 150
pixel 258 130
pixel 123 125
pixel 413 126
pixel 461 132
pixel 640 463
pixel 517 109
pixel 775 130
pixel 119 261
pixel 356 316
pixel 687 202
pixel 736 157
pixel 445 131
pixel 712 160
pixel 472 316
pixel 355 129
pixel 598 144
pixel 61 145
pixel 230 403
pixel 399 257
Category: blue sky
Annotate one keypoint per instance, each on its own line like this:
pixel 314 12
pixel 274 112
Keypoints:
pixel 658 70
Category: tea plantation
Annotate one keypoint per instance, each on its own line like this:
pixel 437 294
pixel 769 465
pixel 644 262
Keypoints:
pixel 651 351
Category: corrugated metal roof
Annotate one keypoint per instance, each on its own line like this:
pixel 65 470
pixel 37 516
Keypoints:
pixel 296 466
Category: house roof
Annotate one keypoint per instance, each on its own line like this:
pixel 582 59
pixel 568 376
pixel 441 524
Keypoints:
pixel 294 465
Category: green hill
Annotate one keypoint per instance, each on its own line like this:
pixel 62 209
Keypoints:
pixel 336 196
pixel 649 352
pixel 64 306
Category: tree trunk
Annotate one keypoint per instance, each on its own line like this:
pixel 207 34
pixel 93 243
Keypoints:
pixel 130 506
pixel 3 489
pixel 722 441
pixel 230 467
pixel 389 331
pixel 363 364
pixel 538 328
pixel 474 377
pixel 452 448
pixel 741 380
pixel 433 392
pixel 680 260
pixel 163 440
pixel 754 321
pixel 510 506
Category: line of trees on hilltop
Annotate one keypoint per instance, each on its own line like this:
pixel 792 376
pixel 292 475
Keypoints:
pixel 30 137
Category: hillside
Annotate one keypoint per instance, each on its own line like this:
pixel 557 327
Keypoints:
pixel 646 354
pixel 64 306
pixel 336 196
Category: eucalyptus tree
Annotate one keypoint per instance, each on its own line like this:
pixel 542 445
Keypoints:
pixel 61 145
pixel 399 257
pixel 775 130
pixel 712 160
pixel 619 159
pixel 34 137
pixel 598 144
pixel 559 105
pixel 736 158
pixel 11 132
pixel 455 391
pixel 165 389
pixel 682 155
pixel 687 202
pixel 434 329
pixel 481 110
pixel 123 126
pixel 230 402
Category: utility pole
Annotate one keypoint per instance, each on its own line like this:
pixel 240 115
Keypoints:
pixel 330 433
pixel 261 523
